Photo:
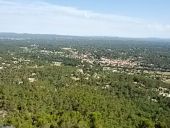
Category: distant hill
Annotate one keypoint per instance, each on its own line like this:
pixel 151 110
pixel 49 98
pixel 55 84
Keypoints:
pixel 23 36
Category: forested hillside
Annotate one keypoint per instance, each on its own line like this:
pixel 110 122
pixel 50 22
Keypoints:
pixel 59 84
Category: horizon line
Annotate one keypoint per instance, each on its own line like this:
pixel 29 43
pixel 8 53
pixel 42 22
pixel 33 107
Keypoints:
pixel 72 35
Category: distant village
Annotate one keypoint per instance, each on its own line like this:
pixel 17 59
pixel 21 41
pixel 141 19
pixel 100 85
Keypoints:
pixel 115 65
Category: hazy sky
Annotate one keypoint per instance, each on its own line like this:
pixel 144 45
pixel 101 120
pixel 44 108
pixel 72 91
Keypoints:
pixel 125 18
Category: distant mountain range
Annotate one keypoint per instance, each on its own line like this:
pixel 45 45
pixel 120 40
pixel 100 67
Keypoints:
pixel 23 36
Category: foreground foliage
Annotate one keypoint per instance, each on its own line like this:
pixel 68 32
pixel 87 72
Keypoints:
pixel 56 101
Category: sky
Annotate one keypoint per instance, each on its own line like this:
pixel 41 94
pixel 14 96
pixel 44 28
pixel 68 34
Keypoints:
pixel 122 18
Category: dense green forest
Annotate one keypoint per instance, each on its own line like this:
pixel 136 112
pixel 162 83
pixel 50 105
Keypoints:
pixel 44 83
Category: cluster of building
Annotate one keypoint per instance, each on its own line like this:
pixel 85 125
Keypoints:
pixel 87 57
pixel 118 62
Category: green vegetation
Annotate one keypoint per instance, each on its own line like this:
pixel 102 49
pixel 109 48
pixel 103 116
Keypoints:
pixel 44 86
